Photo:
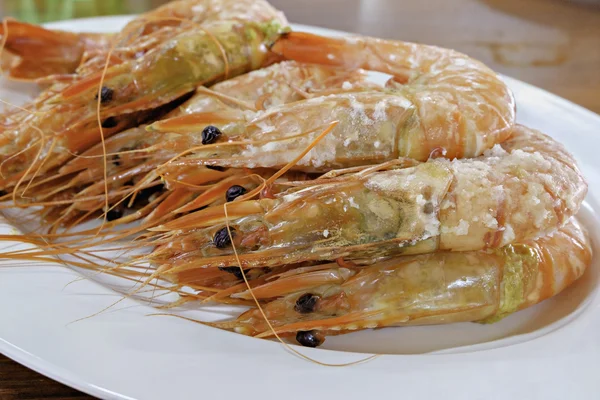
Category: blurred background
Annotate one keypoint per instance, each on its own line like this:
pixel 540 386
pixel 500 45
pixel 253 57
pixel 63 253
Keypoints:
pixel 553 44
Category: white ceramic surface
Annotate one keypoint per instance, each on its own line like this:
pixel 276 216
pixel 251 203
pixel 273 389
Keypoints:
pixel 549 351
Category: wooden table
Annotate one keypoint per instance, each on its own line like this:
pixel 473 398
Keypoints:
pixel 552 44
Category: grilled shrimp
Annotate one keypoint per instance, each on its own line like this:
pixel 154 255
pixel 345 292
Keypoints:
pixel 438 288
pixel 525 188
pixel 439 102
pixel 66 123
pixel 35 52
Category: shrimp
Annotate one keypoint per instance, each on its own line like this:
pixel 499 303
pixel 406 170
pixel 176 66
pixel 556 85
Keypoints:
pixel 35 52
pixel 135 154
pixel 440 288
pixel 460 105
pixel 67 122
pixel 525 188
pixel 438 102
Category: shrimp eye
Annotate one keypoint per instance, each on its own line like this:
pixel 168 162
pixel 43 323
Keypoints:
pixel 236 271
pixel 106 95
pixel 110 122
pixel 308 338
pixel 234 192
pixel 215 167
pixel 306 303
pixel 210 134
pixel 114 214
pixel 222 239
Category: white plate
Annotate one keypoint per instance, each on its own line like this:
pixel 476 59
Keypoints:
pixel 549 351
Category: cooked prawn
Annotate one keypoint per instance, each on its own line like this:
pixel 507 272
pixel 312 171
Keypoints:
pixel 438 102
pixel 438 288
pixel 457 104
pixel 525 188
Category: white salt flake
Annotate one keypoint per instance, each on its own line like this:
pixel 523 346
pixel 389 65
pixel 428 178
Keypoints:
pixel 380 111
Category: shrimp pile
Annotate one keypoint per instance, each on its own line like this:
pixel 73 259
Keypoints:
pixel 263 167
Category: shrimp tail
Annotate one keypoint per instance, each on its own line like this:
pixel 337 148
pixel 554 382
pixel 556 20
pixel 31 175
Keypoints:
pixel 299 46
pixel 36 52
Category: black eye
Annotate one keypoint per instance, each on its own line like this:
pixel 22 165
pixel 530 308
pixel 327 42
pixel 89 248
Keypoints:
pixel 306 303
pixel 308 338
pixel 234 192
pixel 110 122
pixel 236 271
pixel 106 95
pixel 210 134
pixel 215 167
pixel 222 239
pixel 114 214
